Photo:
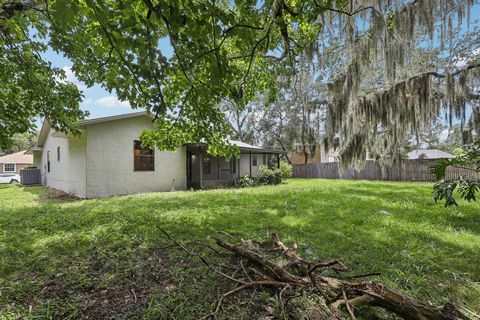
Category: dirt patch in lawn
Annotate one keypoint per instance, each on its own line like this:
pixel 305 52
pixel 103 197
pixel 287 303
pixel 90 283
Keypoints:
pixel 58 195
pixel 104 287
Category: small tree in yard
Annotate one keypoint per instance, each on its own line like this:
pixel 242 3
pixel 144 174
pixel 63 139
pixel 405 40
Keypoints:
pixel 466 187
pixel 286 169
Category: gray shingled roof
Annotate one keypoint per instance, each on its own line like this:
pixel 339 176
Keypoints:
pixel 429 154
pixel 242 144
pixel 244 147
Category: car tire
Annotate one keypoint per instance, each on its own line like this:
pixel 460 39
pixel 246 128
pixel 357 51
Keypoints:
pixel 13 181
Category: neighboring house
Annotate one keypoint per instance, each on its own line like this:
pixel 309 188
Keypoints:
pixel 429 154
pixel 297 156
pixel 13 163
pixel 107 159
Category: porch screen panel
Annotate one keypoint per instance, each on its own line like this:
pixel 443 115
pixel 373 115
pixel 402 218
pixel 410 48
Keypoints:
pixel 207 165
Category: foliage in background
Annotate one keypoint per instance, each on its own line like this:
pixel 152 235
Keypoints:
pixel 433 137
pixel 456 138
pixel 286 169
pixel 466 187
pixel 22 141
pixel 296 118
pixel 410 94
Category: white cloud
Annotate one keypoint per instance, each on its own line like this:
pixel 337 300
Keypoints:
pixel 111 102
pixel 70 76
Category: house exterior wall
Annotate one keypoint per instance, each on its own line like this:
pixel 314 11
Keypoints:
pixel 68 174
pixel 100 163
pixel 110 171
pixel 18 167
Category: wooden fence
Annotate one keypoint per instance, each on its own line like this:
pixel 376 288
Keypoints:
pixel 404 170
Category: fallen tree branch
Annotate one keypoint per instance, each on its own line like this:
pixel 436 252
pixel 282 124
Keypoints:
pixel 347 304
pixel 349 293
pixel 309 278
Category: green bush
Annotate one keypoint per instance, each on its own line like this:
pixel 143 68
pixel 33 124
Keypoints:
pixel 286 170
pixel 268 176
pixel 244 182
pixel 265 177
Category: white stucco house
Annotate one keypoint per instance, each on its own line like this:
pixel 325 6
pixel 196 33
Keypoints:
pixel 107 159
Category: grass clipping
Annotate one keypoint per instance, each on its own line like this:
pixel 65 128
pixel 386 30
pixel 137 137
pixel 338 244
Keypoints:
pixel 272 264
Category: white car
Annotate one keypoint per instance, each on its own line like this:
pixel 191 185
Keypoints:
pixel 9 178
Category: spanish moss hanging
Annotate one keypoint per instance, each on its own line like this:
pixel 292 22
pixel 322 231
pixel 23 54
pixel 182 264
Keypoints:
pixel 370 122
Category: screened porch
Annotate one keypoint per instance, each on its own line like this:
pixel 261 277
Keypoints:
pixel 205 171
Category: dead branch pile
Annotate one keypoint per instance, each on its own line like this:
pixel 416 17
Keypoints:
pixel 292 275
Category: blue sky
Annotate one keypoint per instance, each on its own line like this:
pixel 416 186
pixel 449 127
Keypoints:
pixel 97 101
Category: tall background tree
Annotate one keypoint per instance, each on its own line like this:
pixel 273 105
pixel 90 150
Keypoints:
pixel 22 141
pixel 236 50
pixel 295 119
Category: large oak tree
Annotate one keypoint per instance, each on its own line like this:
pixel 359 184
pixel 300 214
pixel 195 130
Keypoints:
pixel 230 51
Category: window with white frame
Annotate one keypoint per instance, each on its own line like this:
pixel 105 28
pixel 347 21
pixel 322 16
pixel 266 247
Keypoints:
pixel 9 167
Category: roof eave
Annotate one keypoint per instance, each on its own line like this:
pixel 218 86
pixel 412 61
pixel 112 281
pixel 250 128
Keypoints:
pixel 34 150
pixel 112 118
pixel 260 150
pixel 42 136
pixel 249 150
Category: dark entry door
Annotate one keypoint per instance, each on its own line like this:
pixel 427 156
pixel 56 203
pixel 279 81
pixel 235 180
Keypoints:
pixel 189 166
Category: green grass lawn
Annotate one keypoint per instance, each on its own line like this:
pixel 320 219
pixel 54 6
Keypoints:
pixel 106 258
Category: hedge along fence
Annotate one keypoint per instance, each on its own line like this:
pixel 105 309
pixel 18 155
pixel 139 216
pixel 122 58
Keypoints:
pixel 403 170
